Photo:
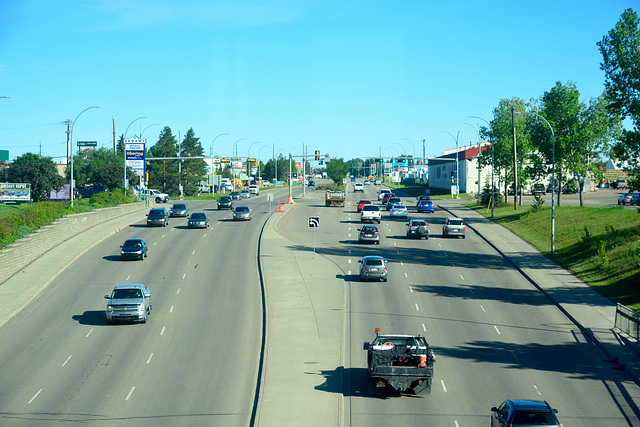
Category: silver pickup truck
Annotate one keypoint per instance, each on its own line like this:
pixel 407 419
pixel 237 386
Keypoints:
pixel 128 302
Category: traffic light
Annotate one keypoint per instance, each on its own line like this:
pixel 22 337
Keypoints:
pixel 317 154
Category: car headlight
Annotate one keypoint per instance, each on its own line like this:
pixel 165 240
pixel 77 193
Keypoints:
pixel 109 308
pixel 141 307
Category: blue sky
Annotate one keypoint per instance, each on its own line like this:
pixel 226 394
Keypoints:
pixel 351 79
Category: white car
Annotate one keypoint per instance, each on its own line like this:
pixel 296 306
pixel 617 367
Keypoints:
pixel 254 189
pixel 398 211
pixel 382 192
pixel 358 186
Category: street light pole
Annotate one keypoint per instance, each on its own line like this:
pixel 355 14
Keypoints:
pixel 478 158
pixel 493 198
pixel 553 179
pixel 233 166
pixel 71 184
pixel 457 168
pixel 249 156
pixel 212 167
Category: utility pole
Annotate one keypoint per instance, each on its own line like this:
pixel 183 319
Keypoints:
pixel 115 146
pixel 515 164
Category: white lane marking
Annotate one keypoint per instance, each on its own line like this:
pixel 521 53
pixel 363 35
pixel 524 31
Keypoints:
pixel 401 263
pixel 87 336
pixel 406 275
pixel 163 236
pixel 349 234
pixel 482 307
pixel 497 330
pixel 349 228
pixel 127 279
pixel 444 387
pixel 65 362
pixel 149 359
pixel 34 397
pixel 514 356
pixel 536 387
pixel 349 272
pixel 162 331
pixel 178 293
pixel 154 243
pixel 394 244
pixel 193 253
pixel 171 311
pixel 424 328
pixel 398 252
pixel 410 289
pixel 205 235
pixel 349 261
pixel 184 275
pixel 456 423
pixel 349 251
pixel 446 254
pixel 417 308
pixel 130 393
pixel 471 290
pixel 461 277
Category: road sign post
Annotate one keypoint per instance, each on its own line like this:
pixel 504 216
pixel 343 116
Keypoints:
pixel 314 222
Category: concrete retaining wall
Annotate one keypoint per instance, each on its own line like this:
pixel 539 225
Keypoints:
pixel 16 256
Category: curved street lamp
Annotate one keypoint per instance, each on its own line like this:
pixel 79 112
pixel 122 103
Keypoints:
pixel 553 179
pixel 142 131
pixel 457 169
pixel 412 146
pixel 259 152
pixel 71 186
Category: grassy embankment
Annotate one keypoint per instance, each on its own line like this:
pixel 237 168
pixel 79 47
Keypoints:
pixel 19 220
pixel 599 245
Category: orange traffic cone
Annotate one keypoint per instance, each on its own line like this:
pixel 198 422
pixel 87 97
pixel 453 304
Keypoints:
pixel 279 207
pixel 289 201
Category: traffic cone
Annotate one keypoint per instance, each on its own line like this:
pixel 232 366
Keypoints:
pixel 289 201
pixel 279 207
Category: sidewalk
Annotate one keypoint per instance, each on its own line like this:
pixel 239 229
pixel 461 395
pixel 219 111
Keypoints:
pixel 591 312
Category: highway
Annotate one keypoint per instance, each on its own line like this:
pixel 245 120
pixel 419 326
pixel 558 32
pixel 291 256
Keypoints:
pixel 194 363
pixel 196 360
pixel 495 336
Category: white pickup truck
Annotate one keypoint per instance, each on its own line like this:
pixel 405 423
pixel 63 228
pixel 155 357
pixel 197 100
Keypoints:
pixel 156 195
pixel 370 213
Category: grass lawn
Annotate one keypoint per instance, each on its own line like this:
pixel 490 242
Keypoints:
pixel 599 245
pixel 12 209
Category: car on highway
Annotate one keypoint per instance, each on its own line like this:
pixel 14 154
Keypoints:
pixel 417 229
pixel 518 413
pixel 635 199
pixel 311 183
pixel 371 213
pixel 225 202
pixel 377 182
pixel 134 249
pixel 369 233
pixel 363 202
pixel 358 186
pixel 367 182
pixel 245 194
pixel 254 189
pixel 373 267
pixel 179 209
pixel 625 198
pixel 198 220
pixel 392 201
pixel 538 189
pixel 398 211
pixel 128 302
pixel 158 217
pixel 235 195
pixel 426 206
pixel 619 183
pixel 422 197
pixel 453 227
pixel 382 192
pixel 386 196
pixel 242 213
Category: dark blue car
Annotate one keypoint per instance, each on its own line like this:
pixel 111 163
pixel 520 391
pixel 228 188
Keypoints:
pixel 426 206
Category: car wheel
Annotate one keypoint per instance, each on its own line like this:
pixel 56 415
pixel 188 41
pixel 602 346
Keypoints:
pixel 378 242
pixel 141 257
pixel 384 280
pixel 144 319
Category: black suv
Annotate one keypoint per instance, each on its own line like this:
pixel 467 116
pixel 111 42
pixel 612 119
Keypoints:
pixel 225 202
pixel 87 192
pixel 538 189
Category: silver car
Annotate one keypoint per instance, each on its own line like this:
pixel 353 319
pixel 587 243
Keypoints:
pixel 198 220
pixel 242 213
pixel 373 267
pixel 128 302
pixel 179 209
pixel 453 227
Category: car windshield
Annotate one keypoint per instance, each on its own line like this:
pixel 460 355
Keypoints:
pixel 418 223
pixel 371 208
pixel 533 418
pixel 126 293
pixel 198 215
pixel 373 262
pixel 455 222
pixel 179 206
pixel 369 229
pixel 156 212
pixel 242 209
pixel 399 206
pixel 225 198
pixel 132 244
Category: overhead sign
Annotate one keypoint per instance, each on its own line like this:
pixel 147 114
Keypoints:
pixel 314 221
pixel 87 143
pixel 134 149
pixel 15 193
pixel 251 160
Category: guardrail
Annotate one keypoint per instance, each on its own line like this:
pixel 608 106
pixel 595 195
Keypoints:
pixel 628 321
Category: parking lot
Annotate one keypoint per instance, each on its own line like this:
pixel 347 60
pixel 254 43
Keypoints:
pixel 604 197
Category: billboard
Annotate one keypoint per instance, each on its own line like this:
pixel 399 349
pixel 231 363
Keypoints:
pixel 15 193
pixel 135 155
pixel 60 194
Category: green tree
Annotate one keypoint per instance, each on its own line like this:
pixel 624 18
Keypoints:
pixel 39 171
pixel 163 174
pixel 268 173
pixel 100 167
pixel 620 50
pixel 337 170
pixel 193 170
